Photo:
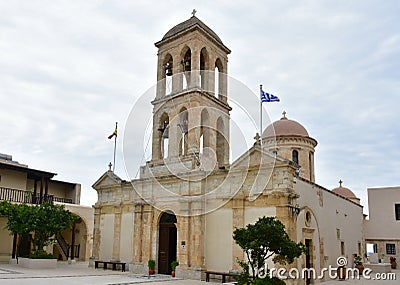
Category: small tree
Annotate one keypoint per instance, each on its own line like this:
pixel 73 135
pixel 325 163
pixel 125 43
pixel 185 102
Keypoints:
pixel 45 221
pixel 262 240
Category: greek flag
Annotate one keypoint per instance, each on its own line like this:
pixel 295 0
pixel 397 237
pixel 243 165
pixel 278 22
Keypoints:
pixel 266 97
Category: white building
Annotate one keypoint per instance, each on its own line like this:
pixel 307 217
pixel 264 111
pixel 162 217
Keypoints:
pixel 382 229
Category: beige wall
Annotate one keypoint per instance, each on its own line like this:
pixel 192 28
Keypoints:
pixel 126 240
pixel 382 227
pixel 5 242
pixel 13 179
pixel 251 215
pixel 64 190
pixel 382 223
pixel 219 240
pixel 107 236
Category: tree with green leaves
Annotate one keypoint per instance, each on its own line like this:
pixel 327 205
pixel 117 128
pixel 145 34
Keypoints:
pixel 44 221
pixel 260 241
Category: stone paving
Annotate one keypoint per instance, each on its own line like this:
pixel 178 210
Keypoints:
pixel 80 273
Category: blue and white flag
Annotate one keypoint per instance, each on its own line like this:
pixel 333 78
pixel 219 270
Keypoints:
pixel 266 97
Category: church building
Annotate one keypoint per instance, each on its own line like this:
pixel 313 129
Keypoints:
pixel 190 197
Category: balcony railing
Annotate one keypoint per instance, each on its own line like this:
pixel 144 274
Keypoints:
pixel 23 196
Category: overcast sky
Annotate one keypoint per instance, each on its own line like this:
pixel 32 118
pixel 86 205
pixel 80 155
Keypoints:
pixel 70 69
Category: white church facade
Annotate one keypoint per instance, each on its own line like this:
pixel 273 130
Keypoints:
pixel 189 197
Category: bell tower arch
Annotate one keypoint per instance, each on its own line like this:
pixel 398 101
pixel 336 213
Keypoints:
pixel 191 109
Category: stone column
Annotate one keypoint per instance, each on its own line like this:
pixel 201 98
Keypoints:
pixel 237 222
pixel 223 82
pixel 177 75
pixel 96 232
pixel 194 130
pixel 156 141
pixel 195 68
pixel 138 229
pixel 117 232
pixel 184 242
pixel 197 233
pixel 211 75
pixel 146 234
pixel 160 77
pixel 174 135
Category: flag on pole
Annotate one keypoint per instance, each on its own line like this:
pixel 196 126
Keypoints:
pixel 114 134
pixel 266 97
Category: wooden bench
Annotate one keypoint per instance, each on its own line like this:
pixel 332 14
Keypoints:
pixel 106 263
pixel 223 274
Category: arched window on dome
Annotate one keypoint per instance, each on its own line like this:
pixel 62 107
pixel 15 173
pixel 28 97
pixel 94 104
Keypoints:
pixel 295 156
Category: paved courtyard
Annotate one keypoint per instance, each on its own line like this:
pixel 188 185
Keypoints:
pixel 80 273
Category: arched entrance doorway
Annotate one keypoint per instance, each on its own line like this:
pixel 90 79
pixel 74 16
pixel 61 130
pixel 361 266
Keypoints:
pixel 167 238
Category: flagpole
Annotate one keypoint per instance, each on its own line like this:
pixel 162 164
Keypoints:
pixel 115 145
pixel 261 111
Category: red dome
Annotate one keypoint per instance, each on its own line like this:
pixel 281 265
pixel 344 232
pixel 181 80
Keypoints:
pixel 344 192
pixel 285 127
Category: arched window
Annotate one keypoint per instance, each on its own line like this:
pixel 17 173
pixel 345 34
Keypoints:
pixel 217 74
pixel 311 163
pixel 168 66
pixel 220 151
pixel 183 131
pixel 186 67
pixel 204 67
pixel 295 156
pixel 164 138
pixel 204 130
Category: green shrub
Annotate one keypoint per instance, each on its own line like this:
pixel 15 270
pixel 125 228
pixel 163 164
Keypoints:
pixel 40 254
pixel 151 263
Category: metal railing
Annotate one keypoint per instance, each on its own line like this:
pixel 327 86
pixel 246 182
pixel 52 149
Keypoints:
pixel 24 196
pixel 66 247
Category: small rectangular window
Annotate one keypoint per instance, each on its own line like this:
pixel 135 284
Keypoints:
pixel 391 248
pixel 338 233
pixel 342 249
pixel 397 211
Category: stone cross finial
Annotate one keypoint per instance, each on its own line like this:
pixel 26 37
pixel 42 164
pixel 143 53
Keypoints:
pixel 340 183
pixel 194 13
pixel 109 166
pixel 257 138
pixel 284 114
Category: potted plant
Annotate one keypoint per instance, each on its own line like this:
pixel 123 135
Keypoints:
pixel 358 264
pixel 152 264
pixel 174 264
pixel 393 262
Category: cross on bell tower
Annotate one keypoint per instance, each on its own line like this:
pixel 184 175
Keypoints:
pixel 191 111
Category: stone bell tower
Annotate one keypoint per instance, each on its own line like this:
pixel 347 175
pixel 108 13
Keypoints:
pixel 191 112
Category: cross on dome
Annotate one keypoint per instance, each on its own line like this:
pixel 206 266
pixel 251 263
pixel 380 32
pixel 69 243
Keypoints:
pixel 340 183
pixel 284 115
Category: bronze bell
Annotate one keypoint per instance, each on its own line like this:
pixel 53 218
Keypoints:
pixel 165 134
pixel 187 65
pixel 168 70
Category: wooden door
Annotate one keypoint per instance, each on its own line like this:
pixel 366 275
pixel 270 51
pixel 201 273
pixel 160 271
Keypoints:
pixel 163 249
pixel 308 259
